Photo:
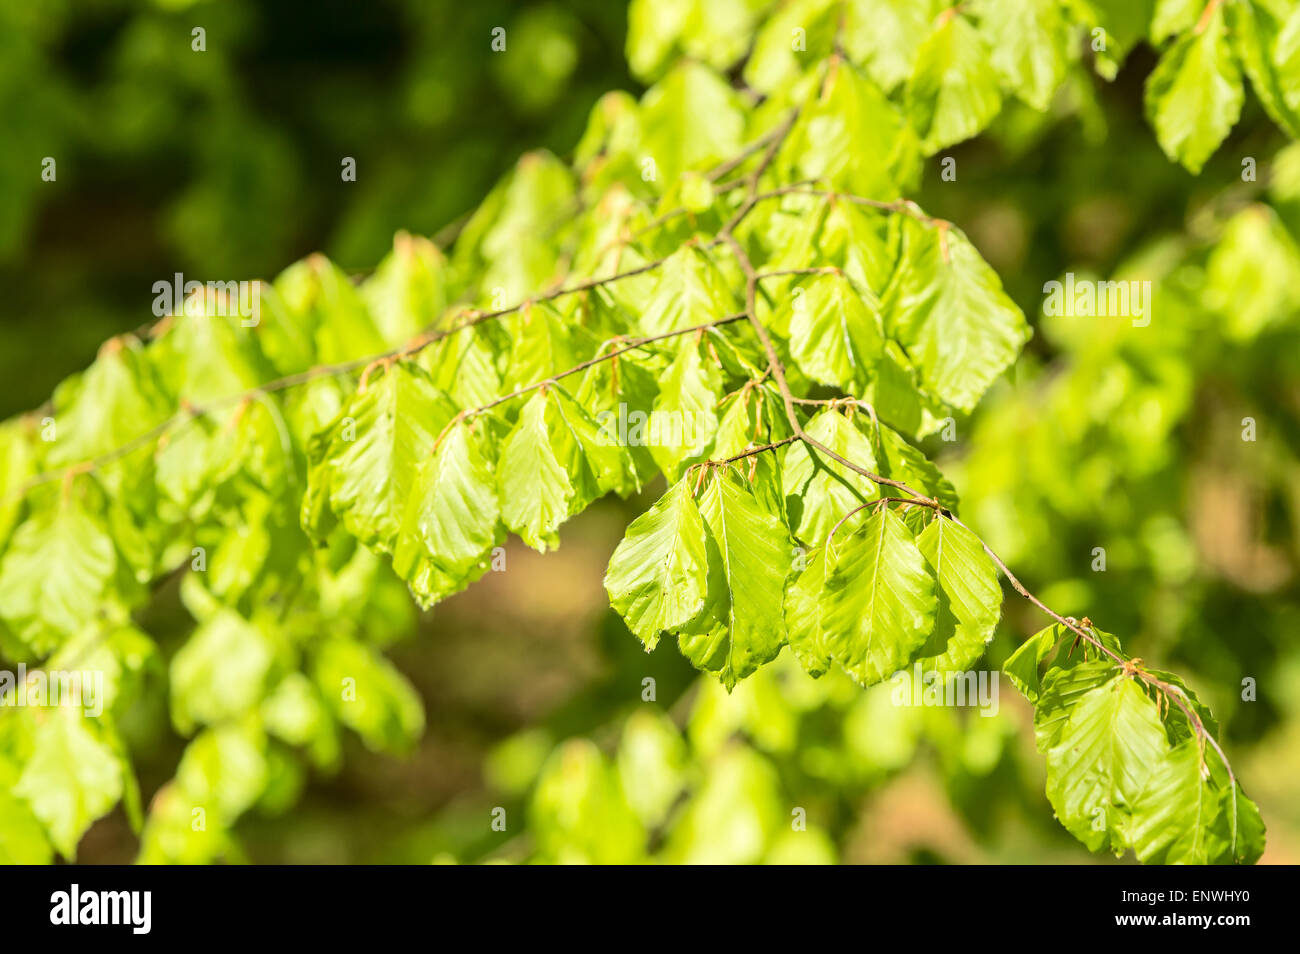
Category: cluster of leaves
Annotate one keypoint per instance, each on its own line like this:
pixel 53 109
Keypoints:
pixel 713 256
pixel 953 67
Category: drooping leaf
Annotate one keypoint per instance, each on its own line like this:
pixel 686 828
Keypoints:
pixel 970 599
pixel 948 309
pixel 658 576
pixel 953 91
pixel 451 520
pixel 750 557
pixel 72 779
pixel 377 447
pixel 1194 95
pixel 880 599
pixel 533 486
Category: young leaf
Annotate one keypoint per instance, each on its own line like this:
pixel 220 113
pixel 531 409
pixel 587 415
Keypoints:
pixel 970 599
pixel 1194 95
pixel 534 487
pixel 880 599
pixel 1189 813
pixel 953 91
pixel 386 433
pixel 658 576
pixel 1029 45
pixel 451 521
pixel 803 615
pixel 743 626
pixel 948 309
pixel 820 490
pixel 835 332
pixel 691 290
pixel 72 778
pixel 851 135
pixel 44 607
pixel 1098 770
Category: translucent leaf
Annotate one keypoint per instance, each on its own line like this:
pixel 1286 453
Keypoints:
pixel 1108 748
pixel 1271 62
pixel 948 309
pixel 534 486
pixel 851 135
pixel 690 291
pixel 689 120
pixel 970 598
pixel 451 521
pixel 953 91
pixel 368 695
pixel 803 615
pixel 658 576
pixel 819 490
pixel 885 35
pixel 880 599
pixel 750 557
pixel 1029 45
pixel 220 672
pixel 1188 813
pixel 377 447
pixel 72 778
pixel 835 332
pixel 1194 95
pixel 44 607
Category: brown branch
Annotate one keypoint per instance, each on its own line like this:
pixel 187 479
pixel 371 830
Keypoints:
pixel 631 345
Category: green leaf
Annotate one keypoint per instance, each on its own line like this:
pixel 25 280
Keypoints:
pixel 803 615
pixel 408 290
pixel 819 490
pixel 953 91
pixel 579 812
pixel 948 309
pixel 452 519
pixel 1174 16
pixel 1189 813
pixel 970 598
pixel 58 571
pixel 685 414
pixel 781 55
pixel 691 291
pixel 885 36
pixel 880 599
pixel 1115 27
pixel 750 557
pixel 385 434
pixel 852 136
pixel 223 772
pixel 542 345
pixel 1194 95
pixel 221 671
pixel 1022 666
pixel 1029 45
pixel 658 576
pixel 1250 275
pixel 114 401
pixel 835 332
pixel 689 120
pixel 72 778
pixel 1273 64
pixel 22 837
pixel 534 486
pixel 1098 770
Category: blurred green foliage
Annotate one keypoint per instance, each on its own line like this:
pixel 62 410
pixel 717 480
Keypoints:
pixel 225 164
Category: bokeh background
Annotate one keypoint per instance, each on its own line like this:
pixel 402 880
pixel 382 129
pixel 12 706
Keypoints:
pixel 225 164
